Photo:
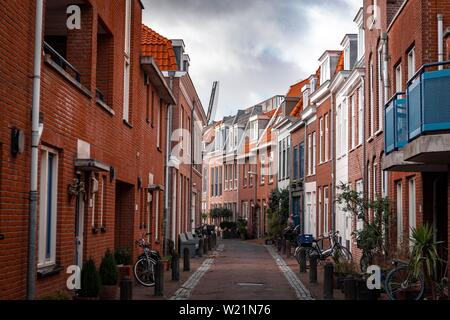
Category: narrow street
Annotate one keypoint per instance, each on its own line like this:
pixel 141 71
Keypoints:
pixel 245 270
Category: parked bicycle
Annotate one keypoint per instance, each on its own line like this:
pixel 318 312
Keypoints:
pixel 144 268
pixel 401 285
pixel 335 250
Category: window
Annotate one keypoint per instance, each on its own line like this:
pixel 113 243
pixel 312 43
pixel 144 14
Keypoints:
pixel 398 79
pixel 245 174
pixel 226 177
pixel 302 160
pixel 48 207
pixel 305 98
pixel 320 141
pixel 399 213
pixel 309 154
pixel 159 124
pixel 375 186
pixel 371 93
pixel 327 138
pixel 384 182
pixel 411 63
pixel 314 153
pixel 325 210
pixel 235 176
pixel 271 167
pixel 347 57
pixel 411 205
pixel 319 209
pixel 220 180
pixel 352 127
pixel 262 169
pixel 288 157
pixel 325 71
pixel 361 39
pixel 360 115
pixel 127 57
pixel 359 190
pixel 295 163
pixel 338 130
pixel 380 88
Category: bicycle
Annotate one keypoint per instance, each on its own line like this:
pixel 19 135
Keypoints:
pixel 401 285
pixel 144 268
pixel 335 249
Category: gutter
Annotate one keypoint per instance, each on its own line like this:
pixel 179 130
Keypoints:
pixel 35 137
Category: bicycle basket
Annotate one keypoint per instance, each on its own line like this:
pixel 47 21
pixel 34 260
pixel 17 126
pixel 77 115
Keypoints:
pixel 305 240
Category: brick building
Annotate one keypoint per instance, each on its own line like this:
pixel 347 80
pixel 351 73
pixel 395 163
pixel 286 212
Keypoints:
pixel 102 145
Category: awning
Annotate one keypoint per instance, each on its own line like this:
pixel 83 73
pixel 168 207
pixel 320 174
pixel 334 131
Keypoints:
pixel 91 165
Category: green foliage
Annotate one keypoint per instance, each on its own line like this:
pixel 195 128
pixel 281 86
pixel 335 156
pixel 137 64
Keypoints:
pixel 90 280
pixel 346 267
pixel 109 274
pixel 217 213
pixel 123 256
pixel 374 232
pixel 278 212
pixel 242 228
pixel 230 225
pixel 204 217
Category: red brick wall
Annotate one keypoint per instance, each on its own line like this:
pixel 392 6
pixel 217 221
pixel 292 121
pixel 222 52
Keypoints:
pixel 69 115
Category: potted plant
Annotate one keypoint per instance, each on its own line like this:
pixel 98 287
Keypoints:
pixel 424 257
pixel 109 275
pixel 342 269
pixel 123 260
pixel 90 282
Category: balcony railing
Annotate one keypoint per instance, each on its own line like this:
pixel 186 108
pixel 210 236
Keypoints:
pixel 60 61
pixel 428 100
pixel 396 126
pixel 424 108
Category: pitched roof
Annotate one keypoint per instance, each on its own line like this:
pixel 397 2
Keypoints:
pixel 296 89
pixel 160 48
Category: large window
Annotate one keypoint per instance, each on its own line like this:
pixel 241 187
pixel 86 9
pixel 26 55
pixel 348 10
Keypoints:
pixel 327 137
pixel 309 154
pixel 372 98
pixel 398 79
pixel 411 205
pixel 48 207
pixel 360 115
pixel 295 163
pixel 325 210
pixel 352 127
pixel 302 160
pixel 380 88
pixel 411 63
pixel 314 153
pixel 320 140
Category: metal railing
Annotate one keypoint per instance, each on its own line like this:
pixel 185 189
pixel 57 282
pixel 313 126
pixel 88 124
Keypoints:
pixel 60 61
pixel 396 126
pixel 428 100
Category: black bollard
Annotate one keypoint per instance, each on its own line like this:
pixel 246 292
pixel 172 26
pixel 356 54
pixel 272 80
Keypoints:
pixel 209 243
pixel 288 249
pixel 283 246
pixel 302 261
pixel 313 269
pixel 350 288
pixel 186 260
pixel 205 245
pixel 200 247
pixel 159 279
pixel 126 288
pixel 175 266
pixel 328 281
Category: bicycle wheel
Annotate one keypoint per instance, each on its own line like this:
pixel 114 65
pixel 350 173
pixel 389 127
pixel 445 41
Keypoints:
pixel 299 250
pixel 400 285
pixel 342 254
pixel 365 261
pixel 144 272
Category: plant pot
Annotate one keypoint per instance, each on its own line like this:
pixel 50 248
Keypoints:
pixel 109 292
pixel 124 271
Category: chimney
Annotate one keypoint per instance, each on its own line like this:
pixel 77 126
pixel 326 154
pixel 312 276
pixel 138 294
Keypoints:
pixel 186 62
pixel 178 47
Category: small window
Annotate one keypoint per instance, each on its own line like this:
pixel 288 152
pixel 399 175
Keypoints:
pixel 411 63
pixel 398 79
pixel 48 207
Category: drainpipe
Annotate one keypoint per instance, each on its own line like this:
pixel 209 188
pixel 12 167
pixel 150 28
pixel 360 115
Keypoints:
pixel 167 193
pixel 32 233
pixel 192 168
pixel 384 39
pixel 333 164
pixel 440 18
pixel 364 174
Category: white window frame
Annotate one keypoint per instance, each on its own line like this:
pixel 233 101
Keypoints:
pixel 327 137
pixel 399 203
pixel 411 62
pixel 326 207
pixel 338 130
pixel 380 88
pixel 127 55
pixel 372 100
pixel 352 127
pixel 412 219
pixel 321 138
pixel 319 211
pixel 309 154
pixel 43 259
pixel 360 115
pixel 398 78
pixel 314 152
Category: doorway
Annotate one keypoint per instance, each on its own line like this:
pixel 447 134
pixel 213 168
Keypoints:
pixel 124 216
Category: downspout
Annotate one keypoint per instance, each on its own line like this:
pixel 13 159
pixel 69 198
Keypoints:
pixel 365 187
pixel 35 109
pixel 192 168
pixel 384 39
pixel 167 193
pixel 333 165
pixel 440 19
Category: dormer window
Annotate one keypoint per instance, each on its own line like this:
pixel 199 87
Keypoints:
pixel 305 97
pixel 347 57
pixel 325 71
pixel 313 85
pixel 359 20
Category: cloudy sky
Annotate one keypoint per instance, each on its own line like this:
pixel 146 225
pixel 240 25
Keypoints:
pixel 255 48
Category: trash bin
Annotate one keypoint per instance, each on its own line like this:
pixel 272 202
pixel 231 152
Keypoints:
pixel 194 238
pixel 185 243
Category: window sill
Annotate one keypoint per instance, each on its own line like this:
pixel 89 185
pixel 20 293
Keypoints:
pixel 370 139
pixel 378 132
pixel 128 124
pixel 105 107
pixel 67 76
pixel 49 271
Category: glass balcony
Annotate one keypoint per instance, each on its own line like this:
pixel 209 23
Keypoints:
pixel 428 100
pixel 396 126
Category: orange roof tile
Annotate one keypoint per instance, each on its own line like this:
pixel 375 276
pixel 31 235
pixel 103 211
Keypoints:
pixel 340 64
pixel 298 108
pixel 296 89
pixel 160 48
